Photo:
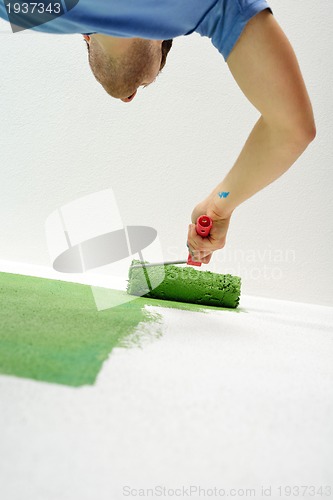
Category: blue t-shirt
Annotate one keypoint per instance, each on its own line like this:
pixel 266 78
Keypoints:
pixel 220 20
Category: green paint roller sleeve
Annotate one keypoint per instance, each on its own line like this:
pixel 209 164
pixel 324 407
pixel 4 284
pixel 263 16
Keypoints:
pixel 185 284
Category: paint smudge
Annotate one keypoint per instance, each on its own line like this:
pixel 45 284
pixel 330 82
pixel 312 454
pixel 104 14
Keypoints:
pixel 223 194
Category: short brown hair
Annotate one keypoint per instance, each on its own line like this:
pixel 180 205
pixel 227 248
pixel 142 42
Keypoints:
pixel 122 78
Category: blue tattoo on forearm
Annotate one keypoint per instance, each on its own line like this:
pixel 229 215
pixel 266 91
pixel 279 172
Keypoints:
pixel 223 194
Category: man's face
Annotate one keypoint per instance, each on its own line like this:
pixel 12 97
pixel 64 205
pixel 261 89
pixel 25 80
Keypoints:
pixel 153 70
pixel 140 61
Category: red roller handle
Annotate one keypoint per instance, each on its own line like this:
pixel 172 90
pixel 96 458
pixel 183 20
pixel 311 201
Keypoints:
pixel 203 226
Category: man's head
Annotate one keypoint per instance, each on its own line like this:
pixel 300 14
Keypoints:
pixel 122 65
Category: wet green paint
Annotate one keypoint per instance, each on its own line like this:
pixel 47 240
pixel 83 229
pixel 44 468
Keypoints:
pixel 51 330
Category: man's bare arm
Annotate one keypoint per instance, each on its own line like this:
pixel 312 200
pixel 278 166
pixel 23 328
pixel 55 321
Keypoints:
pixel 265 67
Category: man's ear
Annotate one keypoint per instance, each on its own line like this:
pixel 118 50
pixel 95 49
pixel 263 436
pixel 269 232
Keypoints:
pixel 87 38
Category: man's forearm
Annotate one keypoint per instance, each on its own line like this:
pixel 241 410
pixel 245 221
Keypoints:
pixel 266 155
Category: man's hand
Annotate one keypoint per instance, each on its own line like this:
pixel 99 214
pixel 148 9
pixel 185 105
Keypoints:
pixel 201 248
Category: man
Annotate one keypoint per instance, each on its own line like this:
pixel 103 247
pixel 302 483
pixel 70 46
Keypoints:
pixel 128 42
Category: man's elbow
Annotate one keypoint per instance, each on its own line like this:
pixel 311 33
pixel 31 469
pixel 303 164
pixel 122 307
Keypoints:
pixel 296 136
pixel 298 131
pixel 308 132
pixel 304 132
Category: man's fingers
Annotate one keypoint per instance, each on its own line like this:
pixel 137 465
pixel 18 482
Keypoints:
pixel 206 259
pixel 200 248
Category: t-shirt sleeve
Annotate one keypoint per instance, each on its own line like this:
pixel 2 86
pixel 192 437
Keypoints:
pixel 225 21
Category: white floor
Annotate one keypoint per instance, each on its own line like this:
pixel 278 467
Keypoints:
pixel 225 400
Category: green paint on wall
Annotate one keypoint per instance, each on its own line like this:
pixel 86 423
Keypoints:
pixel 51 330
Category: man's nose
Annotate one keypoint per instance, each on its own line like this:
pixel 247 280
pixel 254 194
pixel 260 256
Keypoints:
pixel 129 98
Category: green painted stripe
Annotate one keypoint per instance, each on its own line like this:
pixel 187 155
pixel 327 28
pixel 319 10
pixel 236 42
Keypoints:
pixel 51 330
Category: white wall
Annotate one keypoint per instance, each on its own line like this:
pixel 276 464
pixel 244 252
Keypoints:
pixel 63 137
